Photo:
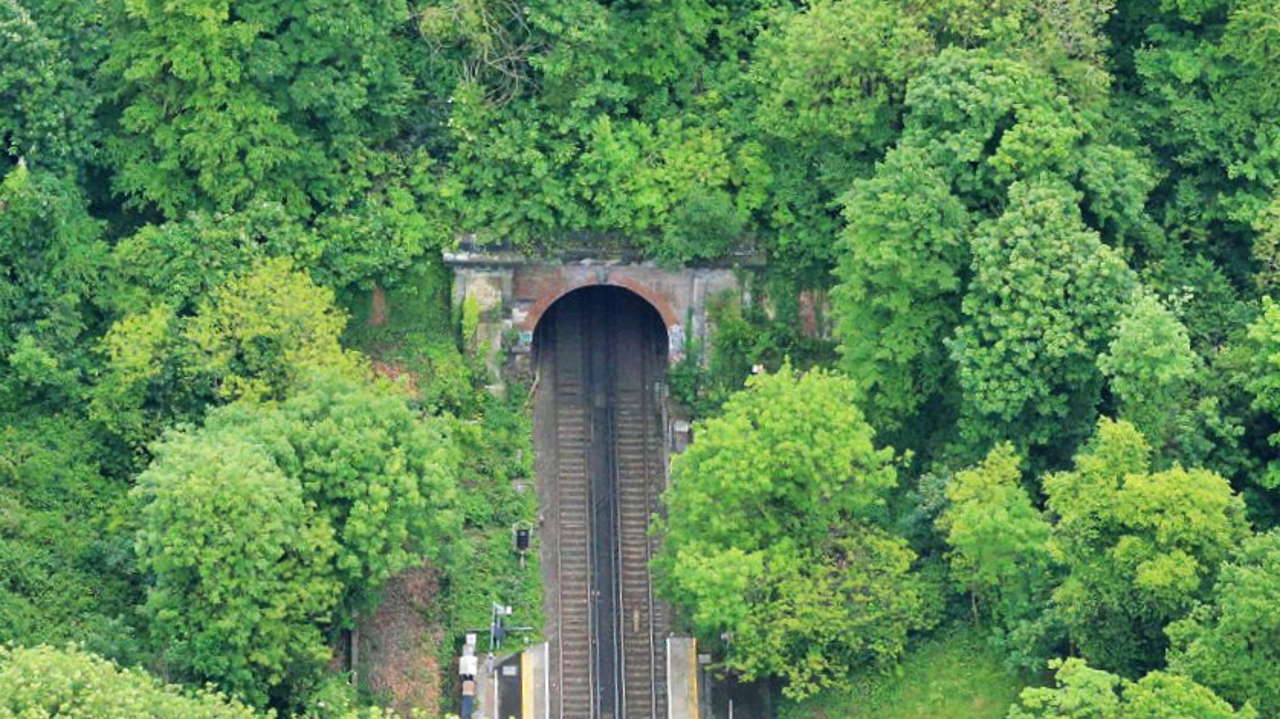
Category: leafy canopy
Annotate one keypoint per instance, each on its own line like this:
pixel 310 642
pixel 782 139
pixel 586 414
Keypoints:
pixel 273 521
pixel 241 566
pixel 51 257
pixel 1044 296
pixel 46 682
pixel 254 336
pixel 1000 554
pixel 1140 547
pixel 770 514
pixel 1229 641
pixel 1082 692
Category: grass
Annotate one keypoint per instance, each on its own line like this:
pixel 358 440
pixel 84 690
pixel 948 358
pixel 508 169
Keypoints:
pixel 952 675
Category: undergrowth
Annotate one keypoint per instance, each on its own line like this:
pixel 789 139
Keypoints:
pixel 953 674
pixel 422 338
pixel 741 338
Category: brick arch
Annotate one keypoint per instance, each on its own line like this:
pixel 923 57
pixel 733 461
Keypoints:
pixel 655 300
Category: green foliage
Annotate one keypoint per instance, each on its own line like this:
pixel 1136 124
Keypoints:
pixel 643 178
pixel 324 497
pixel 1044 296
pixel 1229 642
pixel 810 615
pixel 1263 379
pixel 47 683
pixel 785 447
pixel 1086 693
pixel 741 338
pixel 1036 212
pixel 379 474
pixel 1000 553
pixel 1158 382
pixel 51 254
pixel 418 336
pixel 1266 249
pixel 1201 95
pixel 954 674
pixel 241 565
pixel 142 389
pixel 179 263
pixel 1140 548
pixel 975 279
pixel 766 514
pixel 46 107
pixel 252 337
pixel 257 101
pixel 494 441
pixel 66 561
pixel 224 104
pixel 833 75
pixel 905 249
pixel 1150 364
pixel 257 332
pixel 830 80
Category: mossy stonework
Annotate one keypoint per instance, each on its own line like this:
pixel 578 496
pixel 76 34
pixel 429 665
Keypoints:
pixel 510 293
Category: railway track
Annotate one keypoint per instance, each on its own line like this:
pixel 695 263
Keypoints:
pixel 611 632
pixel 572 517
pixel 637 462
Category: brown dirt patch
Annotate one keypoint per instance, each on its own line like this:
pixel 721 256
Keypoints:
pixel 378 313
pixel 406 380
pixel 398 646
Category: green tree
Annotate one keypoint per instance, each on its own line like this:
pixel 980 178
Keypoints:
pixel 63 683
pixel 1044 296
pixel 1229 643
pixel 811 615
pixel 224 101
pixel 54 683
pixel 786 447
pixel 1160 384
pixel 830 80
pixel 275 522
pixel 1150 366
pixel 242 566
pixel 836 72
pixel 382 476
pixel 258 332
pixel 1140 548
pixel 51 260
pixel 1082 692
pixel 1266 250
pixel 180 263
pixel 1000 554
pixel 611 122
pixel 223 104
pixel 253 336
pixel 1197 85
pixel 765 515
pixel 65 555
pixel 1263 377
pixel 904 251
pixel 993 141
pixel 46 103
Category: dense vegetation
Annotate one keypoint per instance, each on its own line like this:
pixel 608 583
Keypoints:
pixel 1046 234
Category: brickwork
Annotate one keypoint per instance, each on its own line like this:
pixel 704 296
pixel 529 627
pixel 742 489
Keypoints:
pixel 513 292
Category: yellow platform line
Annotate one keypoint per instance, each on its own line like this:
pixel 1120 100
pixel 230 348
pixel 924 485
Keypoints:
pixel 693 677
pixel 526 686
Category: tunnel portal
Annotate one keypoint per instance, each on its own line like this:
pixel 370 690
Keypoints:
pixel 600 354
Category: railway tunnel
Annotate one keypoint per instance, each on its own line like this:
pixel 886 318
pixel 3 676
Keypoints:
pixel 600 354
